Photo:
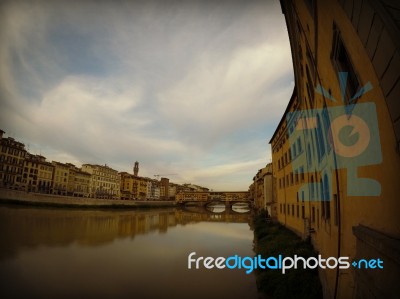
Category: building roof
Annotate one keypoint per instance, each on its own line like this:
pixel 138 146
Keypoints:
pixel 294 94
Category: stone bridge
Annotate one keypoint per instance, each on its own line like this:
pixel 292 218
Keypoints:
pixel 206 198
pixel 227 203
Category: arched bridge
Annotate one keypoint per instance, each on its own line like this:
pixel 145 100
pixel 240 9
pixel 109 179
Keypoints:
pixel 228 198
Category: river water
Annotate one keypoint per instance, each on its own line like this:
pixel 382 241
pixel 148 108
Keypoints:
pixel 69 253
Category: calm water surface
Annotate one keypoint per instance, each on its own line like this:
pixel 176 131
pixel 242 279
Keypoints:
pixel 54 253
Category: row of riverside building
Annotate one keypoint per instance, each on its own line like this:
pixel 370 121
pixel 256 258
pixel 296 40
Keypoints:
pixel 334 177
pixel 21 170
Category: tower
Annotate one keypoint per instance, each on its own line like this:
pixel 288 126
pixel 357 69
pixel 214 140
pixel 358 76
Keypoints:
pixel 164 184
pixel 136 169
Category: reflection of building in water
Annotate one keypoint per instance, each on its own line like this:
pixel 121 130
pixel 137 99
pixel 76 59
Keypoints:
pixel 60 227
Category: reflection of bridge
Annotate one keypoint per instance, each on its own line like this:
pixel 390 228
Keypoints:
pixel 202 214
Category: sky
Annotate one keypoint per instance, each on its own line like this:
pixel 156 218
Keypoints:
pixel 192 90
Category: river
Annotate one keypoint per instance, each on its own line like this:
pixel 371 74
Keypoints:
pixel 71 253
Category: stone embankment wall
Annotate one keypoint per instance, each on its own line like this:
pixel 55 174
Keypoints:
pixel 21 197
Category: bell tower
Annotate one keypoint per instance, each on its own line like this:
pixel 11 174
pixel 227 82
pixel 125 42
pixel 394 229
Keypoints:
pixel 136 169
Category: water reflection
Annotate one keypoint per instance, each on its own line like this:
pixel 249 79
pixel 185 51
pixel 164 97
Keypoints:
pixel 217 208
pixel 226 208
pixel 241 208
pixel 141 253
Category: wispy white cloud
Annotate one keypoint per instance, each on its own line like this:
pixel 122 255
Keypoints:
pixel 223 94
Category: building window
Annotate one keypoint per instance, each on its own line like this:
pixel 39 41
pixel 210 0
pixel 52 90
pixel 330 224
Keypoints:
pixel 308 155
pixel 309 87
pixel 313 214
pixel 320 139
pixel 303 212
pixel 298 31
pixel 297 211
pixel 310 64
pixel 312 188
pixel 326 121
pixel 299 145
pixel 335 205
pixel 319 187
pixel 326 196
pixel 310 6
pixel 343 65
pixel 325 203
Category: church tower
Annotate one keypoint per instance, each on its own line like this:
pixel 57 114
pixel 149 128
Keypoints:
pixel 136 169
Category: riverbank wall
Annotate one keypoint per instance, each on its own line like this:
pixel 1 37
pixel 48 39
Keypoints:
pixel 38 199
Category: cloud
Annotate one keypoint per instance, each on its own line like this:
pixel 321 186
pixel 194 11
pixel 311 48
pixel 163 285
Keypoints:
pixel 225 94
pixel 94 118
pixel 222 172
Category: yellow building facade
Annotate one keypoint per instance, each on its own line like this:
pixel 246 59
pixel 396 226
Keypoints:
pixel 261 191
pixel 139 188
pixel 12 156
pixel 104 181
pixel 60 178
pixel 30 173
pixel 126 186
pixel 37 175
pixel 78 182
pixel 164 189
pixel 45 177
pixel 336 185
pixel 133 187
